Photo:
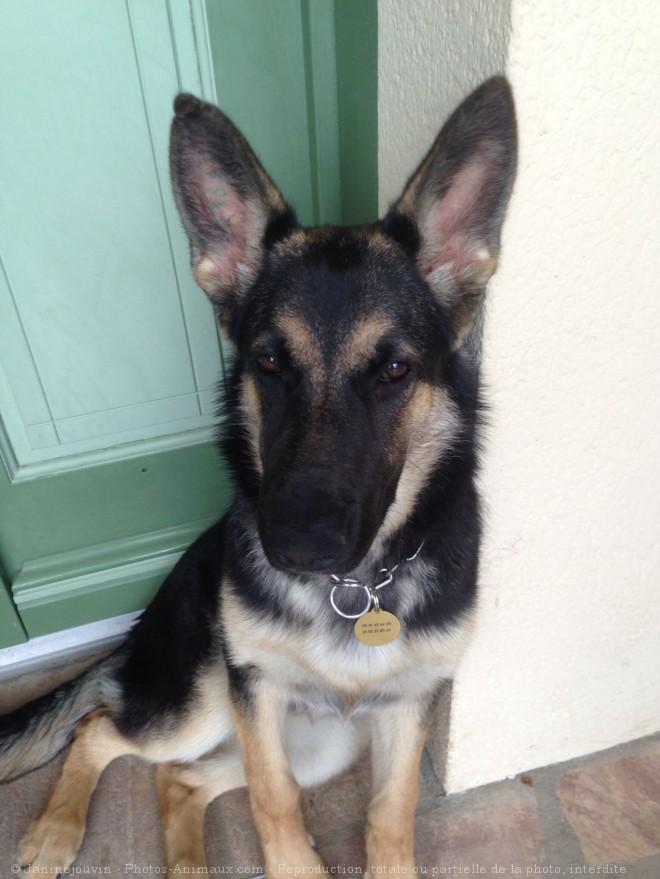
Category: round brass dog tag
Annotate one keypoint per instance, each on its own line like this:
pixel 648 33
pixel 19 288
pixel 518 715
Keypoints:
pixel 377 628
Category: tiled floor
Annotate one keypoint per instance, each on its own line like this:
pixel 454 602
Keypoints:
pixel 595 816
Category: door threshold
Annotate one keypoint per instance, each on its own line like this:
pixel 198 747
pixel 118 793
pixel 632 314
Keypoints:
pixel 60 648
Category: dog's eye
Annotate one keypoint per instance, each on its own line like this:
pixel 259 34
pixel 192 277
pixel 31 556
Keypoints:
pixel 395 371
pixel 268 364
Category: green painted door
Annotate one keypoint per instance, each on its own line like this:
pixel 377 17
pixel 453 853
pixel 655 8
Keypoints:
pixel 108 352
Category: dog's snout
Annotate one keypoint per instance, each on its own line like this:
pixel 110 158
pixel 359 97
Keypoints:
pixel 309 531
pixel 308 547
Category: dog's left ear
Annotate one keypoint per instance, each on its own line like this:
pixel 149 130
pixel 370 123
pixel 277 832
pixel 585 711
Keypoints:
pixel 227 202
pixel 451 212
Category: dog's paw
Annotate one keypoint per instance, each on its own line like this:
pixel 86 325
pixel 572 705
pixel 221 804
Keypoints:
pixel 50 847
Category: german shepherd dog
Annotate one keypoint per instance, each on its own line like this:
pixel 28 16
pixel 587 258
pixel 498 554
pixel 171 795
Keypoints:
pixel 325 610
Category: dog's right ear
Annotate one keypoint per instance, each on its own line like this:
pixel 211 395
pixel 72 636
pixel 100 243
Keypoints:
pixel 227 202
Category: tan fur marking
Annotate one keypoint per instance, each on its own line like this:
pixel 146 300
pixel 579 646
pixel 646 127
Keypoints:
pixel 55 836
pixel 429 427
pixel 284 649
pixel 270 637
pixel 251 409
pixel 423 650
pixel 184 792
pixel 300 337
pixel 304 346
pixel 382 246
pixel 398 742
pixel 274 794
pixel 292 245
pixel 361 344
pixel 208 723
pixel 182 812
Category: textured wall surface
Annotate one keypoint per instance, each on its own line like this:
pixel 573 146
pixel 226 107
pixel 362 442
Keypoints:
pixel 566 654
pixel 430 54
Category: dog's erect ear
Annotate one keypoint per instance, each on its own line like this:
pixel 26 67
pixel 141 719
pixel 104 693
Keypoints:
pixel 226 200
pixel 452 208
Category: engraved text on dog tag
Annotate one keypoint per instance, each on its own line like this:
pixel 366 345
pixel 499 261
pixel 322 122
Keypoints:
pixel 377 628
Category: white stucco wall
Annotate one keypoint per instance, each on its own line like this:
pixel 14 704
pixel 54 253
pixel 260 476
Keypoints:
pixel 566 654
pixel 430 55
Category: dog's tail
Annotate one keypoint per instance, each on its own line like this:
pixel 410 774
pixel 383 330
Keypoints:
pixel 37 731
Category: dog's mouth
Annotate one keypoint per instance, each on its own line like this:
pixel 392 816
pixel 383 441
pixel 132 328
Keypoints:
pixel 334 543
pixel 307 557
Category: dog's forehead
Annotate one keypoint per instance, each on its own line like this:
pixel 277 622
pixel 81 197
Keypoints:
pixel 339 247
pixel 337 273
pixel 357 265
pixel 325 286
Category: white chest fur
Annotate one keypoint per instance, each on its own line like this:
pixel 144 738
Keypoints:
pixel 324 669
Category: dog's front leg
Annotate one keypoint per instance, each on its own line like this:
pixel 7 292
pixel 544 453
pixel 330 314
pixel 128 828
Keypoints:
pixel 398 735
pixel 260 713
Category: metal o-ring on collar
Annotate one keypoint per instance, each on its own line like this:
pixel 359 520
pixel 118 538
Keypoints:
pixel 350 616
pixel 372 591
